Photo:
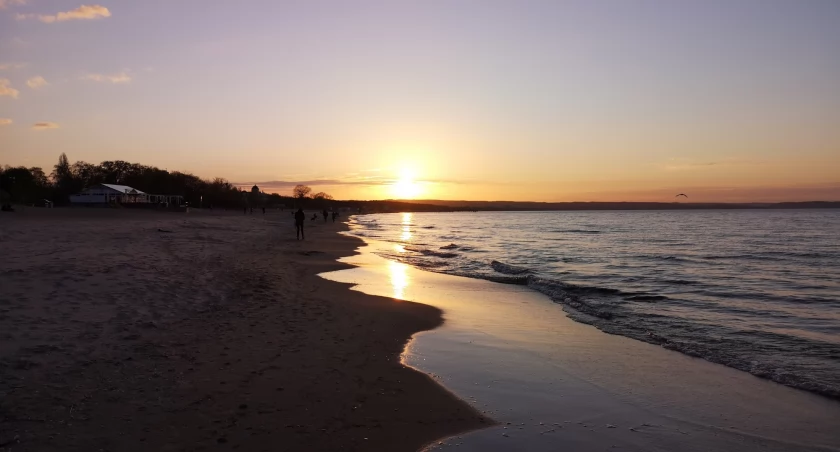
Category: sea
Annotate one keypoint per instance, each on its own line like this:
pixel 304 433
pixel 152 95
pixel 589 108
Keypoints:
pixel 756 290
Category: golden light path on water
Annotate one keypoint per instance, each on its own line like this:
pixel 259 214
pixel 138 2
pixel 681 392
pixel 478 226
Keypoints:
pixel 399 271
pixel 399 278
pixel 406 227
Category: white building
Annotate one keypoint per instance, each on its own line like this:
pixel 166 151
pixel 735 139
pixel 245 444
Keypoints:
pixel 110 194
pixel 106 194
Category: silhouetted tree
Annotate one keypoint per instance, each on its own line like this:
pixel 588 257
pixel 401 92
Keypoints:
pixel 29 185
pixel 65 183
pixel 301 191
pixel 322 195
pixel 25 185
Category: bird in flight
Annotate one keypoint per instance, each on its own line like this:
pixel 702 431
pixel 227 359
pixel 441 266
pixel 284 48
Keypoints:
pixel 681 194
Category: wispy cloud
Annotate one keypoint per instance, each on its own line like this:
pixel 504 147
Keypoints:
pixel 122 77
pixel 84 12
pixel 7 3
pixel 7 90
pixel 679 164
pixel 275 185
pixel 36 82
pixel 8 66
pixel 5 121
pixel 44 125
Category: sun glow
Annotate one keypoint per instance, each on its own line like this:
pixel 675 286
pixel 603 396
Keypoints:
pixel 405 187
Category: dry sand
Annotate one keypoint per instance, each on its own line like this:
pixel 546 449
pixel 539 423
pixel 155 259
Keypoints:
pixel 125 330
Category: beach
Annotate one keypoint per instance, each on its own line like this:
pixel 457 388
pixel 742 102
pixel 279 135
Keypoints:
pixel 555 384
pixel 133 330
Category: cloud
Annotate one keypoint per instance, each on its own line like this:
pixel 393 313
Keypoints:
pixel 7 66
pixel 7 3
pixel 688 165
pixel 122 77
pixel 36 82
pixel 375 181
pixel 315 182
pixel 84 12
pixel 44 125
pixel 5 121
pixel 6 90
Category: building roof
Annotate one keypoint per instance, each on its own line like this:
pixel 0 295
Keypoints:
pixel 124 189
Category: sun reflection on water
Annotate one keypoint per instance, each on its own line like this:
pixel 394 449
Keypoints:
pixel 406 227
pixel 399 278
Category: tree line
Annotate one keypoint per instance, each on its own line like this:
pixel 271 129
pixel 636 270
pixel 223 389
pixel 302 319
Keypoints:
pixel 21 185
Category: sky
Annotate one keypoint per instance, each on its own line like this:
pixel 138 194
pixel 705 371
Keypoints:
pixel 611 100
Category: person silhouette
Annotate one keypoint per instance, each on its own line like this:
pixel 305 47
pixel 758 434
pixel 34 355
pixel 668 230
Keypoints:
pixel 325 215
pixel 299 219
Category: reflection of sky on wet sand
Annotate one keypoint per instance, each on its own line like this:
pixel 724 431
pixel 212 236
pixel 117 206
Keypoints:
pixel 406 227
pixel 399 278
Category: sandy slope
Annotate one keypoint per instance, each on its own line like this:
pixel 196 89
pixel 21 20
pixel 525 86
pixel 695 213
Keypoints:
pixel 115 335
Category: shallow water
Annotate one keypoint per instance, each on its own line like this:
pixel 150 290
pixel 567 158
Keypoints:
pixel 755 290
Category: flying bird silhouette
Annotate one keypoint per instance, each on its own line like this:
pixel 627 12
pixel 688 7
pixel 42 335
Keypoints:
pixel 681 194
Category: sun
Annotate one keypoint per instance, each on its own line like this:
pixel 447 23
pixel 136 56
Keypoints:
pixel 405 187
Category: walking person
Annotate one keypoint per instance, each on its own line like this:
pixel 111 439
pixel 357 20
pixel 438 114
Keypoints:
pixel 299 219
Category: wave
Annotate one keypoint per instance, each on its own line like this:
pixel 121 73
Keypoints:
pixel 508 269
pixel 728 347
pixel 680 282
pixel 576 231
pixel 430 252
pixel 666 257
pixel 695 320
pixel 606 309
pixel 647 298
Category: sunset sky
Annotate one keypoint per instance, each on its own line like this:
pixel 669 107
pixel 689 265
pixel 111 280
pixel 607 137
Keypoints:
pixel 553 100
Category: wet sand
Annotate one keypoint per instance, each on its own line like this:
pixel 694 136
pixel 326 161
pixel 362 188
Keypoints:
pixel 125 330
pixel 555 384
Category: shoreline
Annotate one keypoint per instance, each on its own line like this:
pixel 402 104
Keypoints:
pixel 156 331
pixel 670 290
pixel 550 381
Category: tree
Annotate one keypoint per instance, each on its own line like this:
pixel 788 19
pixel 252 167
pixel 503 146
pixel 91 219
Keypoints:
pixel 65 183
pixel 29 185
pixel 25 185
pixel 301 191
pixel 323 196
pixel 61 172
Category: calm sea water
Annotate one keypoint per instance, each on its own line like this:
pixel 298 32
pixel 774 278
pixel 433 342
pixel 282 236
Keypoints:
pixel 757 290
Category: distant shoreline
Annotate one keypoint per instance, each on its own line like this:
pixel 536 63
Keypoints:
pixel 519 206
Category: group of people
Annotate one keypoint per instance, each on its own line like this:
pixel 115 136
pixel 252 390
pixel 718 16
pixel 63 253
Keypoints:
pixel 300 217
